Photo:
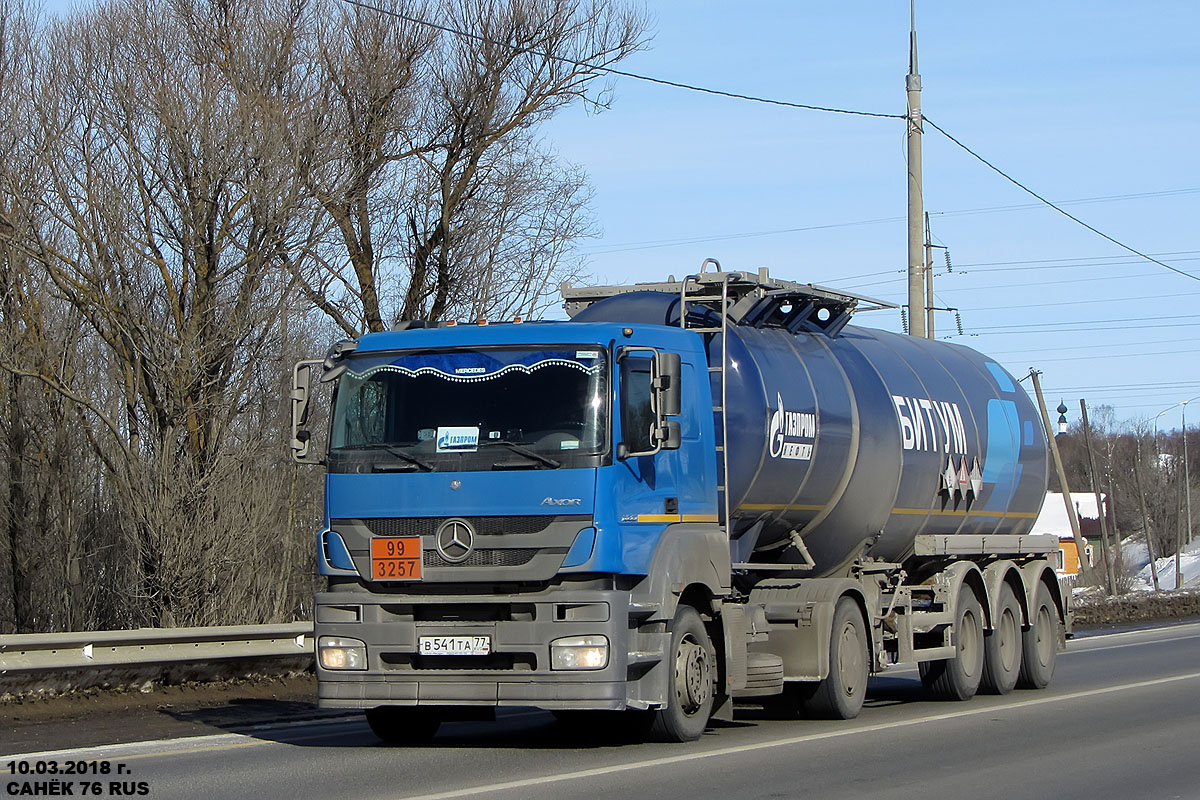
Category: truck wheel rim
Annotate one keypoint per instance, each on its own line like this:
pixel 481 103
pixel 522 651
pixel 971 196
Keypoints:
pixel 970 648
pixel 850 659
pixel 1007 638
pixel 693 675
pixel 1043 640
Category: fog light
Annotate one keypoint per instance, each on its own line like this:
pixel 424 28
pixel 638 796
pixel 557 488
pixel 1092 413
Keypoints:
pixel 579 652
pixel 338 652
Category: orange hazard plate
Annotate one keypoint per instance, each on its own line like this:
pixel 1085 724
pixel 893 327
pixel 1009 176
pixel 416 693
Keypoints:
pixel 396 559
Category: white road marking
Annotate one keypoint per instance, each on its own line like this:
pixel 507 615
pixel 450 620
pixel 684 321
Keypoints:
pixel 225 741
pixel 1074 649
pixel 791 740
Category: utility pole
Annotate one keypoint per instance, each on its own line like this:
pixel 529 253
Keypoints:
pixel 1187 480
pixel 1110 573
pixel 916 202
pixel 1085 569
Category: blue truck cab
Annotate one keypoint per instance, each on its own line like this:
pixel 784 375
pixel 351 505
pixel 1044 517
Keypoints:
pixel 498 499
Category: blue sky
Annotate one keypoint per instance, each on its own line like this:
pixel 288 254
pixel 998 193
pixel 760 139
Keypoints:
pixel 1081 101
pixel 1093 101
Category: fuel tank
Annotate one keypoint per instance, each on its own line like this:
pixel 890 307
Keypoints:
pixel 859 440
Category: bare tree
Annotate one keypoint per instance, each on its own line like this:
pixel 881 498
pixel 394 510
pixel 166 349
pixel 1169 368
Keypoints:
pixel 427 165
pixel 40 584
pixel 172 206
pixel 182 184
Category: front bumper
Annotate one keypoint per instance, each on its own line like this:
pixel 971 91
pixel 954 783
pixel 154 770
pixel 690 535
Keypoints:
pixel 516 673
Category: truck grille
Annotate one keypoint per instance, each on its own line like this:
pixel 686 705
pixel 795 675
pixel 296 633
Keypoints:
pixel 484 526
pixel 512 557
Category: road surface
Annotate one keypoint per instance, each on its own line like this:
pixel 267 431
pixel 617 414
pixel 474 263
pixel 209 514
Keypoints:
pixel 1120 720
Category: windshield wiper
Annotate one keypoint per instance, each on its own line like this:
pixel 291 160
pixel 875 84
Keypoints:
pixel 524 451
pixel 395 451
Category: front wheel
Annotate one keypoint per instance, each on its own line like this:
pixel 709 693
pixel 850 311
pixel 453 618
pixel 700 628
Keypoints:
pixel 691 690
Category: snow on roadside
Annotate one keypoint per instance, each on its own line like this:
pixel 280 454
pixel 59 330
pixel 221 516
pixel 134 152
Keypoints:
pixel 1189 564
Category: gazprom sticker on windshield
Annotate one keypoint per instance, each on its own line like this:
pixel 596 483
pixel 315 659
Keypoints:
pixel 457 439
pixel 582 354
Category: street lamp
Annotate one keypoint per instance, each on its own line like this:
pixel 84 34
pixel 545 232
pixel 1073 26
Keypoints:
pixel 1187 480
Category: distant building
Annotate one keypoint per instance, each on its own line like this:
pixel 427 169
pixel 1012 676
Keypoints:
pixel 1053 521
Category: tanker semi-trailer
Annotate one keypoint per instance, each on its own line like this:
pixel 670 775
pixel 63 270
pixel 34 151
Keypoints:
pixel 692 492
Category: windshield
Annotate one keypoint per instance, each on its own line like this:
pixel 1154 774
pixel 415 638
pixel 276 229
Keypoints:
pixel 463 409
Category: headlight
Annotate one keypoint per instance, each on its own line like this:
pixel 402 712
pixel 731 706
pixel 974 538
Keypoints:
pixel 579 652
pixel 339 652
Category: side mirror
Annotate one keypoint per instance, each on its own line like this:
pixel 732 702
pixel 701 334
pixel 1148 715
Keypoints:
pixel 669 435
pixel 334 365
pixel 300 395
pixel 648 399
pixel 668 384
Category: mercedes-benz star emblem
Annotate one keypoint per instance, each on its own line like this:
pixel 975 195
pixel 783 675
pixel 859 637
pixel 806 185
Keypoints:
pixel 455 540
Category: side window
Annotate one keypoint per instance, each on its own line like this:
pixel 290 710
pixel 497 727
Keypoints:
pixel 637 417
pixel 366 415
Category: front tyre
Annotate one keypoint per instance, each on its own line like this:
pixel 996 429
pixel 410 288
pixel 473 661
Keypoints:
pixel 691 691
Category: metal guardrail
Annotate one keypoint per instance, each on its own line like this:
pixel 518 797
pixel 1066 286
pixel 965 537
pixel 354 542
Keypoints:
pixel 30 652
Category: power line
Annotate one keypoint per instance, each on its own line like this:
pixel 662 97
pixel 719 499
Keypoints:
pixel 1106 386
pixel 1060 210
pixel 1065 323
pixel 1077 202
pixel 1026 352
pixel 768 101
pixel 1094 260
pixel 966 269
pixel 1039 328
pixel 621 73
pixel 1076 302
pixel 1040 284
pixel 617 247
pixel 1182 387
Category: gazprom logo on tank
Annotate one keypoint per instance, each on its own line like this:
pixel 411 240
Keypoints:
pixel 786 428
pixel 931 425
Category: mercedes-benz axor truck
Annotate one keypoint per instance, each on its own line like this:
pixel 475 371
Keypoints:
pixel 692 492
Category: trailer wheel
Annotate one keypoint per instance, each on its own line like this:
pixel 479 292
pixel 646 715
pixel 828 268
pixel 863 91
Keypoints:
pixel 1040 642
pixel 958 678
pixel 404 724
pixel 692 683
pixel 840 695
pixel 1002 647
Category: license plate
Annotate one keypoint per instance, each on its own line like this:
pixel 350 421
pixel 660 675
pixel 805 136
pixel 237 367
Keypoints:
pixel 396 558
pixel 454 645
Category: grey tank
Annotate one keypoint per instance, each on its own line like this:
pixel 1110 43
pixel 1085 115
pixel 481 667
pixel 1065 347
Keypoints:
pixel 861 441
